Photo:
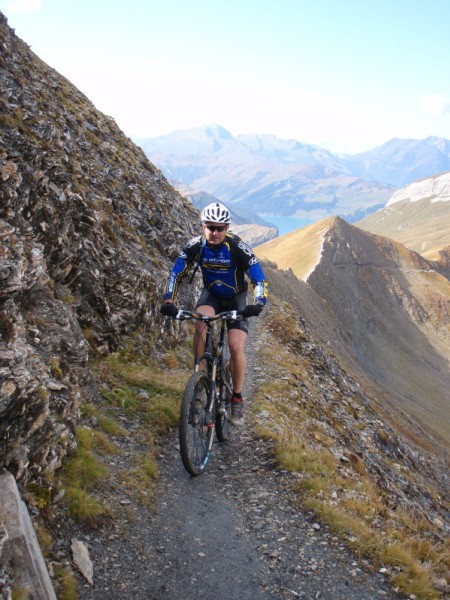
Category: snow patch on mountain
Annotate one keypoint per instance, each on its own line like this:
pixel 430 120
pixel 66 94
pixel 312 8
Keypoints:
pixel 437 189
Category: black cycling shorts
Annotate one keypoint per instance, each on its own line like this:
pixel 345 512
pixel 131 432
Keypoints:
pixel 219 304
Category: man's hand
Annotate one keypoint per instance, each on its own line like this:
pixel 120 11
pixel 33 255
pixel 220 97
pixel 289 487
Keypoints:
pixel 168 309
pixel 252 310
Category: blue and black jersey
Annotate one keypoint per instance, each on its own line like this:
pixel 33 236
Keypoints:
pixel 226 268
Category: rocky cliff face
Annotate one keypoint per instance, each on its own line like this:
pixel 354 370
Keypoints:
pixel 88 227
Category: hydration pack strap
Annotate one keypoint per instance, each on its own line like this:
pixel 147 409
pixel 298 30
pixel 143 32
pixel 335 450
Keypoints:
pixel 199 260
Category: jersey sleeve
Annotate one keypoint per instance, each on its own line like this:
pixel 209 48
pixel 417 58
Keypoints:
pixel 255 272
pixel 181 267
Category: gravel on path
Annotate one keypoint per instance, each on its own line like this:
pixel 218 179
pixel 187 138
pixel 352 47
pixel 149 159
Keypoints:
pixel 232 533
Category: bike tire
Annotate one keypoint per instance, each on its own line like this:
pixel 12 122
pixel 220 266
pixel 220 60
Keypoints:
pixel 223 409
pixel 195 433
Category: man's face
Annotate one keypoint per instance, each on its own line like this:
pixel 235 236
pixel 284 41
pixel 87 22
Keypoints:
pixel 214 232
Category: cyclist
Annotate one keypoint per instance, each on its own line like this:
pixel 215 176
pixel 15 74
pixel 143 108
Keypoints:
pixel 226 263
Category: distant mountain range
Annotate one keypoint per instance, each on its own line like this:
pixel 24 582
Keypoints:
pixel 249 226
pixel 265 175
pixel 400 162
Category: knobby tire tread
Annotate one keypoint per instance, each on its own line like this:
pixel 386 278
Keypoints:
pixel 194 435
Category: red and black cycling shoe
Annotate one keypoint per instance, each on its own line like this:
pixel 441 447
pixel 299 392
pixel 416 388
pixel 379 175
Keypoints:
pixel 237 411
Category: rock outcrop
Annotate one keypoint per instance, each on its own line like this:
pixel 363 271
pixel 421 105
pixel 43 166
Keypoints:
pixel 88 227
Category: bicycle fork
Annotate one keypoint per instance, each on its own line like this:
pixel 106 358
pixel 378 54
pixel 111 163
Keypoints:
pixel 211 407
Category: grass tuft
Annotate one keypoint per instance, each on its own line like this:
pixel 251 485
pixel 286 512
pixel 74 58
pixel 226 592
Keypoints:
pixel 150 394
pixel 294 456
pixel 107 424
pixel 67 583
pixel 140 480
pixel 82 473
pixel 84 507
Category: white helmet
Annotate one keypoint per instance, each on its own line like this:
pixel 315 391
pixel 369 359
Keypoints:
pixel 216 213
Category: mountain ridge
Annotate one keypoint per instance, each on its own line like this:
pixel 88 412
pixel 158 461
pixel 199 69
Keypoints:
pixel 401 161
pixel 436 189
pixel 395 296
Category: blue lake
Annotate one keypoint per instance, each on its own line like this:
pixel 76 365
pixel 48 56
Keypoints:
pixel 288 224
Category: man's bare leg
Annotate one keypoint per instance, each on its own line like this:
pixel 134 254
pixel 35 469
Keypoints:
pixel 238 360
pixel 198 345
pixel 238 366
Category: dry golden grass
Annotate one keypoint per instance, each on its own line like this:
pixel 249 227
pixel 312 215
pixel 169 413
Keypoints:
pixel 422 226
pixel 67 587
pixel 284 250
pixel 294 456
pixel 44 537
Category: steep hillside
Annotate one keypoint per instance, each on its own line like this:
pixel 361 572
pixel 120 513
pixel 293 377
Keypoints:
pixel 417 215
pixel 265 175
pixel 392 307
pixel 88 226
pixel 299 250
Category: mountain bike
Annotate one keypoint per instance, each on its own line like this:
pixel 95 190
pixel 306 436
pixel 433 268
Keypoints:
pixel 206 403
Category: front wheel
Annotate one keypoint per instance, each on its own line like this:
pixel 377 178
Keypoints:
pixel 195 432
pixel 223 408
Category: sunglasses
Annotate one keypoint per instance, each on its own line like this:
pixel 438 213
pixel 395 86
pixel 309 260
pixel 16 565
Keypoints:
pixel 219 228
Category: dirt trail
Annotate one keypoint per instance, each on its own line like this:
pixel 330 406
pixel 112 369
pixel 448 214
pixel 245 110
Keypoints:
pixel 229 534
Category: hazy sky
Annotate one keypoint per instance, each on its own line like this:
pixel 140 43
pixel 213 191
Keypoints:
pixel 347 75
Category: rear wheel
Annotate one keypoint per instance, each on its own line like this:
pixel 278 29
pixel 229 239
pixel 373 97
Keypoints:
pixel 223 408
pixel 195 433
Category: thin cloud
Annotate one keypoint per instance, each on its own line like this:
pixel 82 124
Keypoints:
pixel 23 6
pixel 435 105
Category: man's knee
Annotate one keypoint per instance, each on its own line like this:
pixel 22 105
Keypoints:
pixel 236 347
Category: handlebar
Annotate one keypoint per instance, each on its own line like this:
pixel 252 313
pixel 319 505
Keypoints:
pixel 228 315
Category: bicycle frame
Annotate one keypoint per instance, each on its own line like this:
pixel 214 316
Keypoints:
pixel 206 404
pixel 213 357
